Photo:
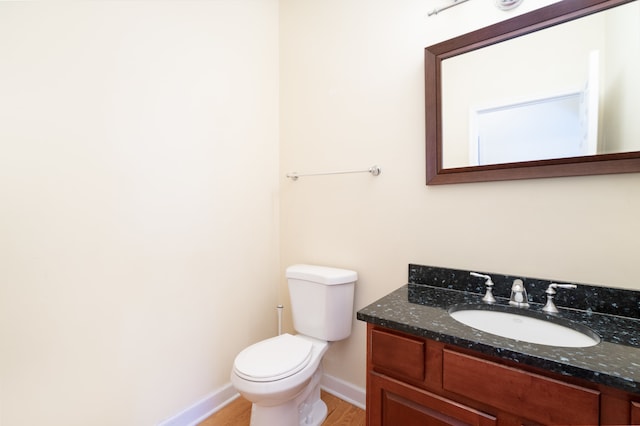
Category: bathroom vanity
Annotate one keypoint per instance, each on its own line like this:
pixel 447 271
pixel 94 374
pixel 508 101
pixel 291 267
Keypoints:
pixel 424 367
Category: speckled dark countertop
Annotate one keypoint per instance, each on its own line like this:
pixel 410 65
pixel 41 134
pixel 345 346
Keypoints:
pixel 421 308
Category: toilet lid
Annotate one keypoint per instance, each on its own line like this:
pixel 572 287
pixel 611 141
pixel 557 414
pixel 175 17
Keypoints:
pixel 274 358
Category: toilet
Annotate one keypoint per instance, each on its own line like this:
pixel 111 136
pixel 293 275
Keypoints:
pixel 281 375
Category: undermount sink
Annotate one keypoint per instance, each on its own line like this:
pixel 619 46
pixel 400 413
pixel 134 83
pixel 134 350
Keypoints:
pixel 519 324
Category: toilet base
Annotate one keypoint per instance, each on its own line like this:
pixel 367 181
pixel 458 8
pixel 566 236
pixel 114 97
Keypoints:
pixel 312 411
pixel 317 416
pixel 305 410
pixel 289 415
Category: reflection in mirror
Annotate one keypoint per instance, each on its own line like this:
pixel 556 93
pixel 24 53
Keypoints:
pixel 520 79
pixel 565 91
pixel 538 129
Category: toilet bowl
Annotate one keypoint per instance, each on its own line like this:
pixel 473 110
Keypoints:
pixel 281 375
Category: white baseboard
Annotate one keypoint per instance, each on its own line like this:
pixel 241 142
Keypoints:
pixel 344 390
pixel 216 400
pixel 202 409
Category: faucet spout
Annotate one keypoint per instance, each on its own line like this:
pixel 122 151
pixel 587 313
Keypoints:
pixel 519 294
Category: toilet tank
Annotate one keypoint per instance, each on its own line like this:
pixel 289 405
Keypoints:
pixel 321 300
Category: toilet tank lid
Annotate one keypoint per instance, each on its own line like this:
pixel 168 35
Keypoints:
pixel 321 274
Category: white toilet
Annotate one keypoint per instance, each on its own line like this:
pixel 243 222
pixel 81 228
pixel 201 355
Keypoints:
pixel 281 375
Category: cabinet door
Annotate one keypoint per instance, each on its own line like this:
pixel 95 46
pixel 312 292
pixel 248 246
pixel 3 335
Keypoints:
pixel 393 403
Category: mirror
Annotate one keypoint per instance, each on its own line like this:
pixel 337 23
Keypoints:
pixel 545 94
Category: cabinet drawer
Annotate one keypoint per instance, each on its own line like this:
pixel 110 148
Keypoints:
pixel 398 356
pixel 525 394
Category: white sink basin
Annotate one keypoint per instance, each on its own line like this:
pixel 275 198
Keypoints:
pixel 525 328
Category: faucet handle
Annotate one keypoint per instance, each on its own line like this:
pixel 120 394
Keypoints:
pixel 488 296
pixel 551 291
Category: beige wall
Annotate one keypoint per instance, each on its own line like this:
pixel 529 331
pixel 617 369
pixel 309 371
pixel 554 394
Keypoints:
pixel 352 95
pixel 140 246
pixel 138 212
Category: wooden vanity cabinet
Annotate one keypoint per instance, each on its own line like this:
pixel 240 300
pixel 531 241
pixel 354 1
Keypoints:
pixel 397 383
pixel 417 381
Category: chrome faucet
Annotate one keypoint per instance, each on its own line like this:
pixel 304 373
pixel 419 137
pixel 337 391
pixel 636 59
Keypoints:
pixel 519 294
pixel 488 296
pixel 551 292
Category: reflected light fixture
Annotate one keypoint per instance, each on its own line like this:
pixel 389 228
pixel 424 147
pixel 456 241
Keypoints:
pixel 501 4
pixel 508 4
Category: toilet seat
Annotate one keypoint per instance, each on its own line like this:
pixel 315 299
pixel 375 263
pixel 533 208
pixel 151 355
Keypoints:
pixel 273 359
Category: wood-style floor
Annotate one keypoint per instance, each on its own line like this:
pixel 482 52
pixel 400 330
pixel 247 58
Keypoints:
pixel 340 413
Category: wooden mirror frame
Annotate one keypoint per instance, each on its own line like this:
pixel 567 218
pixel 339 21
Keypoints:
pixel 548 16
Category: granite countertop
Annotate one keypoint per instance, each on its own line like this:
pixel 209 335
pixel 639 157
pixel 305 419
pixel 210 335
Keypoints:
pixel 422 310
